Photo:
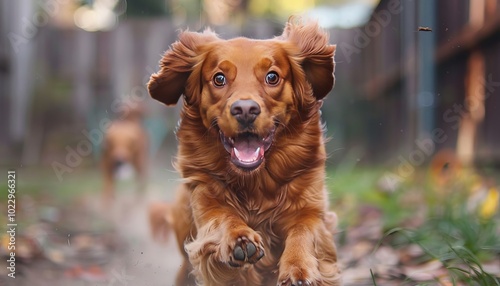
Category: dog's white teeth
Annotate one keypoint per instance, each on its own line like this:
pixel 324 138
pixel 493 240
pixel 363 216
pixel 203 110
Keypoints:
pixel 236 152
pixel 257 153
pixel 247 158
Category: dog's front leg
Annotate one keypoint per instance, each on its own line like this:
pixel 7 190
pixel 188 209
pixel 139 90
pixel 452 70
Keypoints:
pixel 224 242
pixel 309 257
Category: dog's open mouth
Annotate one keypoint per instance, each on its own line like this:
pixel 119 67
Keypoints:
pixel 247 149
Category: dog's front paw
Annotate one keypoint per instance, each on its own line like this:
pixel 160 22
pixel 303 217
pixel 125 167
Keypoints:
pixel 297 279
pixel 288 282
pixel 244 247
pixel 298 273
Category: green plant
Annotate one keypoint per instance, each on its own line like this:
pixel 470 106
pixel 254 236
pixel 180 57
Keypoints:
pixel 460 241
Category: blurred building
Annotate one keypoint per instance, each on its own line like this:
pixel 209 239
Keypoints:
pixel 418 71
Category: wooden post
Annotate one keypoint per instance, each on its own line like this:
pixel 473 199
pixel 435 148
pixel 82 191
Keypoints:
pixel 474 108
pixel 474 92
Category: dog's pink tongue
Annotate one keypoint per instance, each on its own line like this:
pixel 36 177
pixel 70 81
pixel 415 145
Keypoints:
pixel 247 150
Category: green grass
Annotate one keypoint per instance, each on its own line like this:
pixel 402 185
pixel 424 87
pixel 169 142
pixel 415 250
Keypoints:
pixel 462 250
pixel 352 188
pixel 43 183
pixel 450 231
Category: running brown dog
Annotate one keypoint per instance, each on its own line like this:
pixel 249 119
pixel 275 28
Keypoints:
pixel 125 141
pixel 253 207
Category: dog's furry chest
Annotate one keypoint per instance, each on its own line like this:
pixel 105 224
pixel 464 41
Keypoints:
pixel 261 208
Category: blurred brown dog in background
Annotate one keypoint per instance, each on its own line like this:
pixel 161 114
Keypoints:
pixel 125 142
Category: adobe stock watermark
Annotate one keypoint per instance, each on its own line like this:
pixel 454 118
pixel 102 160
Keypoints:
pixel 45 9
pixel 93 138
pixel 425 147
pixel 363 37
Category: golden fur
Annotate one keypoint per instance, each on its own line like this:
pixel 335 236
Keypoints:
pixel 269 223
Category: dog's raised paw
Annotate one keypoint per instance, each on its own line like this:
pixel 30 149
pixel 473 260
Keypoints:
pixel 245 251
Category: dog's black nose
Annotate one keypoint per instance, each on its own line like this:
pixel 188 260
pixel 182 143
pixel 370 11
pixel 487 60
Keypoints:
pixel 245 111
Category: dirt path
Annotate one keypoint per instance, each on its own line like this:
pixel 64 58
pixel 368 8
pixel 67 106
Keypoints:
pixel 119 251
pixel 144 261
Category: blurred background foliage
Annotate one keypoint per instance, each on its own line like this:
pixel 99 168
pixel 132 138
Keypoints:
pixel 414 146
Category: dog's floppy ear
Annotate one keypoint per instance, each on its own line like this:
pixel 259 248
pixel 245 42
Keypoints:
pixel 313 53
pixel 177 63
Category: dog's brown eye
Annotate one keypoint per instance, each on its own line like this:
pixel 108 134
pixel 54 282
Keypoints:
pixel 219 80
pixel 272 78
